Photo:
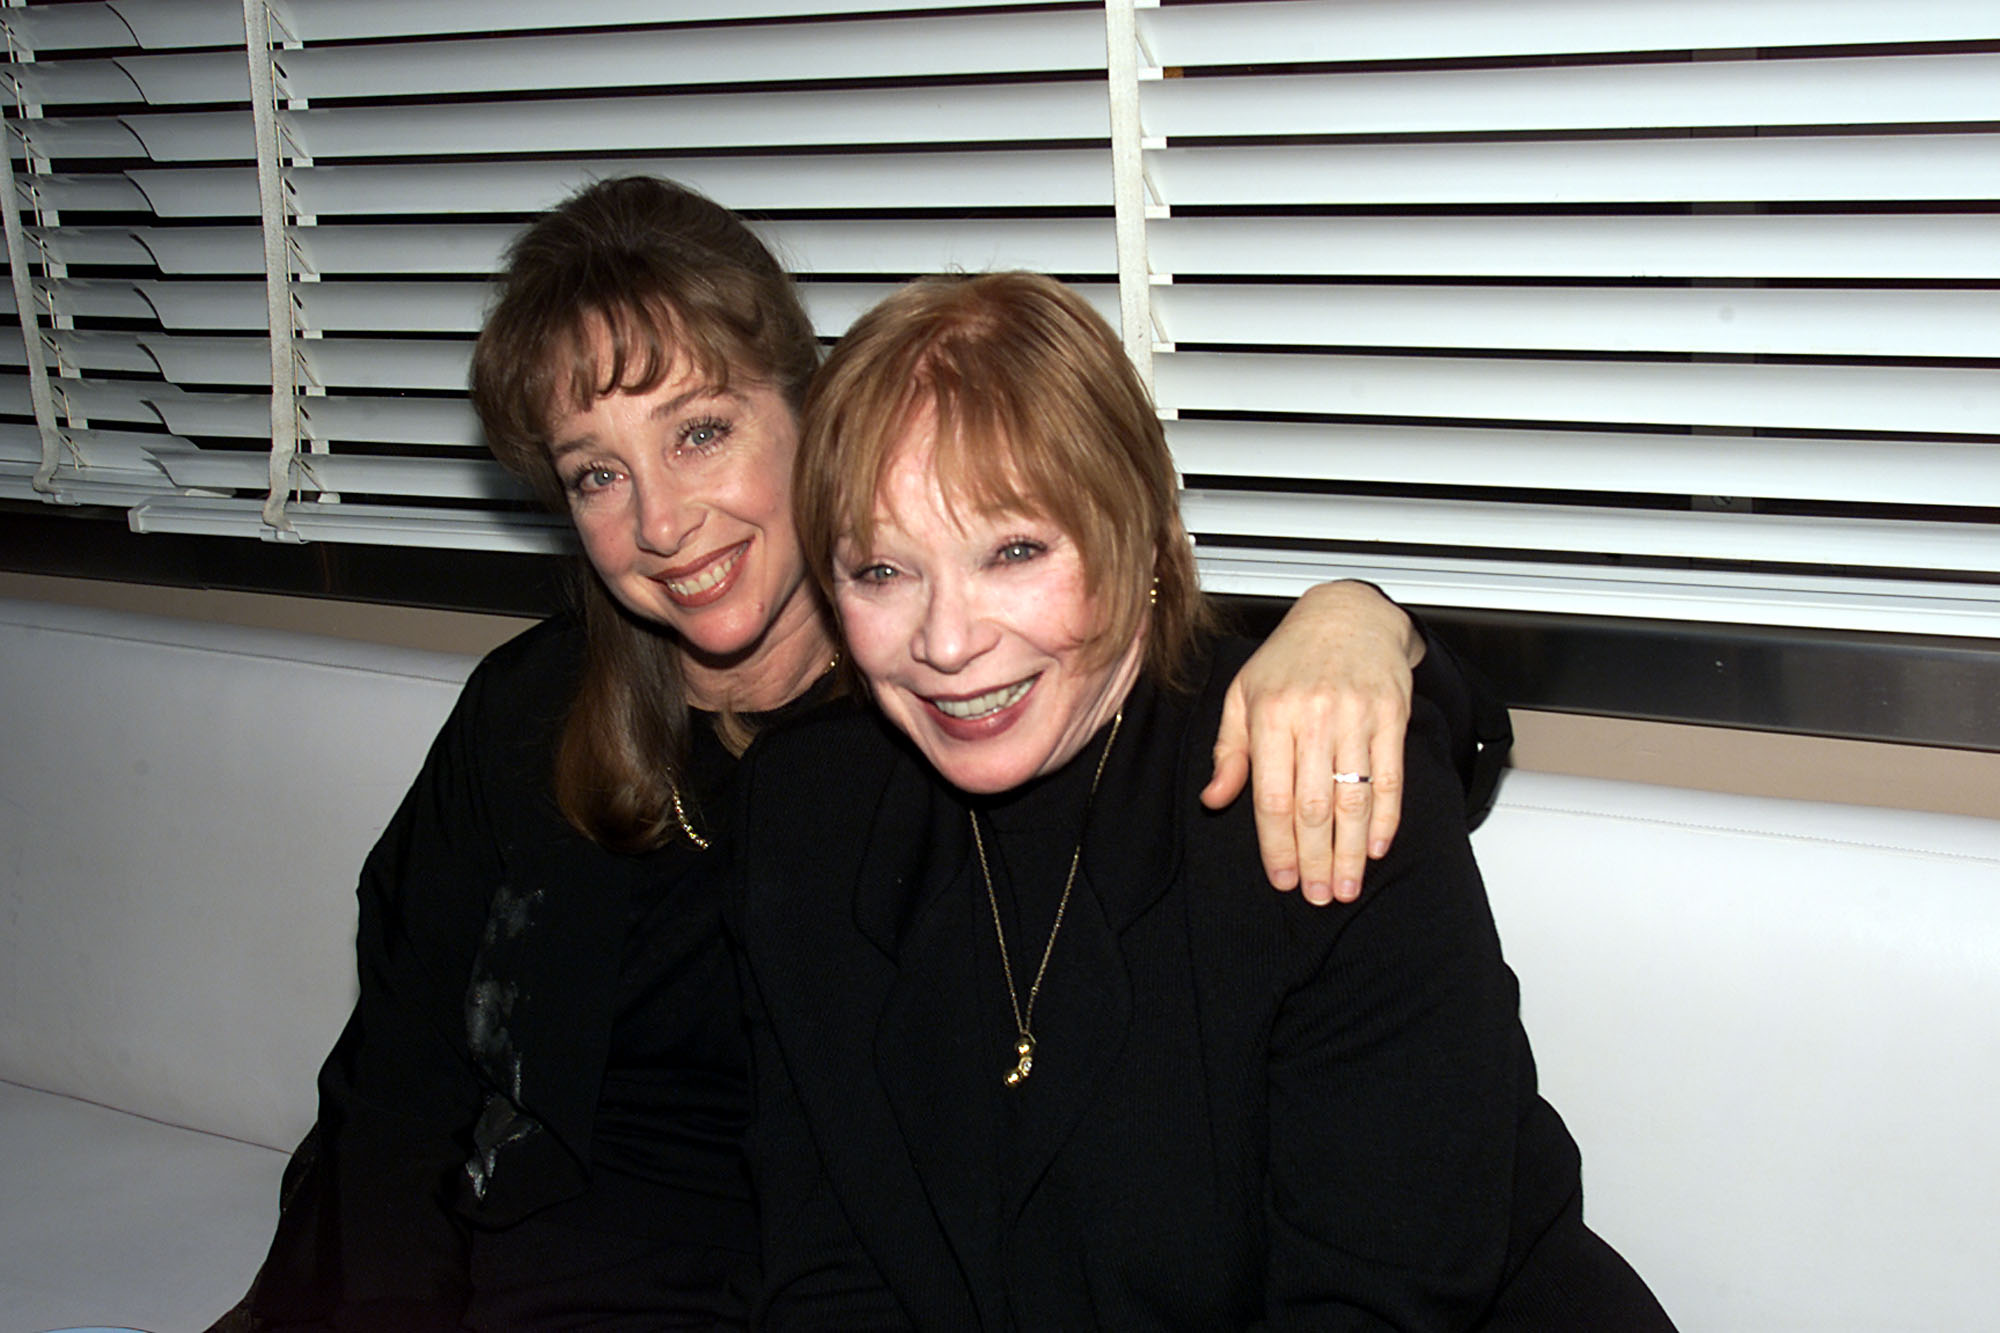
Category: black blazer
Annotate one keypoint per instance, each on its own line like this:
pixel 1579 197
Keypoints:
pixel 1244 1111
pixel 462 1096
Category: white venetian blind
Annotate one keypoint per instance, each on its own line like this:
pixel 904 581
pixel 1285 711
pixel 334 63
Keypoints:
pixel 872 143
pixel 1678 308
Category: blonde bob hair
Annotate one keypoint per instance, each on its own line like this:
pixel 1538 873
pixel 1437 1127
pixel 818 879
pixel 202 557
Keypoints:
pixel 1037 411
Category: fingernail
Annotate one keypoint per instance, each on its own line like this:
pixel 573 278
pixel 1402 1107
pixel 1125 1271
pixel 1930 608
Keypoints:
pixel 1347 890
pixel 1378 848
pixel 1318 894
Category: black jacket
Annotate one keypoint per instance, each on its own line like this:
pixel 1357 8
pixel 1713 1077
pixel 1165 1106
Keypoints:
pixel 463 1096
pixel 1244 1111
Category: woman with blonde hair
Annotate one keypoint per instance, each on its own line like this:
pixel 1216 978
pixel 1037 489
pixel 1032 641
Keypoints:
pixel 1028 1052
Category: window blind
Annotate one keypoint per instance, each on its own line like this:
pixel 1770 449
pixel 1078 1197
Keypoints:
pixel 1670 308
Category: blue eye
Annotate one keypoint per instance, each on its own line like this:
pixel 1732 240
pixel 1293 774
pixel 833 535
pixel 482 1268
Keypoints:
pixel 703 435
pixel 592 479
pixel 1019 550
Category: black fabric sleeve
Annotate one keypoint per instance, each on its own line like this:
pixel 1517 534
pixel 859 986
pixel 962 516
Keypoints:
pixel 366 1238
pixel 1478 730
pixel 1402 1035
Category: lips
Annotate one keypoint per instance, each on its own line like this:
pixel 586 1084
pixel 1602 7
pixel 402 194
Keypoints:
pixel 706 581
pixel 977 717
pixel 982 705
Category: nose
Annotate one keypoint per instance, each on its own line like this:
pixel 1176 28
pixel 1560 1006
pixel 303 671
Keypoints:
pixel 953 633
pixel 665 517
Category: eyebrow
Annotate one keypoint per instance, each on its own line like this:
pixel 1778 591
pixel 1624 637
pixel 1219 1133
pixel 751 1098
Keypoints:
pixel 561 449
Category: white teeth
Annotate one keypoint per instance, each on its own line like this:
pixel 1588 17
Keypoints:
pixel 705 580
pixel 982 704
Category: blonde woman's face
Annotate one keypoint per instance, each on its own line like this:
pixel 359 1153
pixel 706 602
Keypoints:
pixel 976 631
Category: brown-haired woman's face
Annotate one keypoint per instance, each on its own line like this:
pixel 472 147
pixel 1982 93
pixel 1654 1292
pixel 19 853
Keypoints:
pixel 682 497
pixel 976 631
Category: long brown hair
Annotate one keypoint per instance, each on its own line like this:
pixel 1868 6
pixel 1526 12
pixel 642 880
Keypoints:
pixel 1037 410
pixel 661 276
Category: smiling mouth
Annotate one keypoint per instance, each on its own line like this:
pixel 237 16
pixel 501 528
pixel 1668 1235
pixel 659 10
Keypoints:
pixel 987 704
pixel 706 579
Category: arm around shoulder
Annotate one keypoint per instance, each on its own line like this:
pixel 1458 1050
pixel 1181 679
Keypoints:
pixel 1404 1039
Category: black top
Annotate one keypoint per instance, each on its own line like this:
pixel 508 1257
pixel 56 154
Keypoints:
pixel 1244 1111
pixel 536 1112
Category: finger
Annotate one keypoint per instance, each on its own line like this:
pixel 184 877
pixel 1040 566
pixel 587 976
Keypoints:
pixel 1353 803
pixel 1232 766
pixel 1314 797
pixel 1271 800
pixel 1232 754
pixel 1388 806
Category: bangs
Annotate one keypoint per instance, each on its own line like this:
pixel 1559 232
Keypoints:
pixel 1026 403
pixel 623 346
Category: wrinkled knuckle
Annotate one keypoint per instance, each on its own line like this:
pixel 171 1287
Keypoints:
pixel 1388 784
pixel 1315 811
pixel 1353 799
pixel 1276 804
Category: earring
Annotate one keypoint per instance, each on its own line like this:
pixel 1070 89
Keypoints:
pixel 1153 593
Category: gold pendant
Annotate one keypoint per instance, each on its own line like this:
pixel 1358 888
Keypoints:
pixel 1024 1051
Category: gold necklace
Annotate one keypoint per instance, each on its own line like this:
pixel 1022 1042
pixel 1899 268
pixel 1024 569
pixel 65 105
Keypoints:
pixel 680 814
pixel 1024 1044
pixel 674 790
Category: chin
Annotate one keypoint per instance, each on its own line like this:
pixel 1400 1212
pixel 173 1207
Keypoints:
pixel 982 775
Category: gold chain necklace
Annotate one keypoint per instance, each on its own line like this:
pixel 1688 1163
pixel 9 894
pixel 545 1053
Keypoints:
pixel 681 815
pixel 1024 1045
pixel 674 790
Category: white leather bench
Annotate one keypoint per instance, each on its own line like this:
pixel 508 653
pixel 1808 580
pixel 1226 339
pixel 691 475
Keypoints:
pixel 1773 1026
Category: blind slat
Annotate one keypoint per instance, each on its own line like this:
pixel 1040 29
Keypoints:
pixel 942 181
pixel 1894 90
pixel 1873 245
pixel 1733 321
pixel 927 47
pixel 1852 604
pixel 477 479
pixel 1325 31
pixel 1057 111
pixel 1885 167
pixel 1894 399
pixel 419 421
pixel 1577 528
pixel 1894 471
pixel 381 525
pixel 333 20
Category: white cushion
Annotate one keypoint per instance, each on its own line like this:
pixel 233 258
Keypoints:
pixel 183 811
pixel 107 1218
pixel 1774 1028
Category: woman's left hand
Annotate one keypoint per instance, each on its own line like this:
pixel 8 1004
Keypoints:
pixel 1329 692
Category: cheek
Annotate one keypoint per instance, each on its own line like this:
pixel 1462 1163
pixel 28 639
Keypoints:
pixel 607 542
pixel 870 631
pixel 1065 616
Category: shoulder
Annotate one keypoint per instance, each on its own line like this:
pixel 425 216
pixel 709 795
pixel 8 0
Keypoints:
pixel 523 688
pixel 547 655
pixel 1430 855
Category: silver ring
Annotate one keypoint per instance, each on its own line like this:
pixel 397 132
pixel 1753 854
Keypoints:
pixel 1352 777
